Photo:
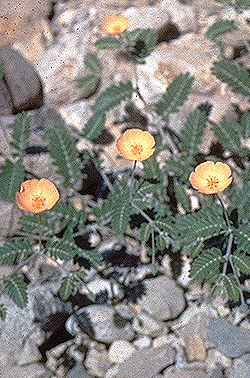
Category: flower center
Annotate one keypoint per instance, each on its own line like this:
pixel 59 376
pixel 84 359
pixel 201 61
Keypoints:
pixel 212 182
pixel 137 149
pixel 38 203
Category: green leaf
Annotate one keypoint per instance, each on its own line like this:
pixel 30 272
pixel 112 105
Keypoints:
pixel 229 135
pixel 108 43
pixel 88 85
pixel 245 125
pixel 3 311
pixel 21 133
pixel 142 41
pixel 151 168
pixel 228 287
pixel 62 149
pixel 180 168
pixel 11 177
pixel 175 95
pixel 193 132
pixel 94 126
pixel 61 249
pixel 182 196
pixel 66 214
pixel 121 210
pixel 240 200
pixel 113 96
pixel 204 224
pixel 143 196
pixel 219 28
pixel 145 232
pixel 240 4
pixel 16 289
pixel 241 262
pixel 233 74
pixel 207 264
pixel 242 237
pixel 70 285
pixel 11 251
pixel 31 224
pixel 93 64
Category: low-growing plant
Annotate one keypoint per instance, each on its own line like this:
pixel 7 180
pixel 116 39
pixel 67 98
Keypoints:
pixel 216 236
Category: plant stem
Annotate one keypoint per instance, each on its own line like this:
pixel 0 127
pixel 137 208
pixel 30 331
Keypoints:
pixel 242 299
pixel 40 233
pixel 132 179
pixel 225 212
pixel 228 253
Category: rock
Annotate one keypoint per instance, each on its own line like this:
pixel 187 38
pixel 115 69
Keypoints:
pixel 102 322
pixel 29 354
pixel 6 105
pixel 10 216
pixel 164 300
pixel 160 340
pixel 78 371
pixel 142 342
pixel 146 363
pixel 173 372
pixel 22 80
pixel 241 367
pixel 101 286
pixel 216 373
pixel 120 351
pixel 145 324
pixel 231 340
pixel 97 362
pixel 30 371
pixel 195 348
pixel 76 114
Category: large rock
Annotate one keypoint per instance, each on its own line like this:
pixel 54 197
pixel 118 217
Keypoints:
pixel 230 340
pixel 173 372
pixel 102 323
pixel 241 367
pixel 163 299
pixel 6 105
pixel 146 363
pixel 22 81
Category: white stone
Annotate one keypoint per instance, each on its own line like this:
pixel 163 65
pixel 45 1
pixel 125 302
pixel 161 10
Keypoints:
pixel 120 350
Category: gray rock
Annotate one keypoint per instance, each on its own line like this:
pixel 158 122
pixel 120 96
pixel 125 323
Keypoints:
pixel 144 324
pixel 97 362
pixel 102 323
pixel 22 80
pixel 163 299
pixel 241 367
pixel 216 373
pixel 6 105
pixel 173 372
pixel 146 363
pixel 230 340
pixel 78 371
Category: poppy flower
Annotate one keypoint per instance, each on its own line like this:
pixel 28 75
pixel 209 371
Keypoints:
pixel 211 178
pixel 37 196
pixel 136 144
pixel 115 24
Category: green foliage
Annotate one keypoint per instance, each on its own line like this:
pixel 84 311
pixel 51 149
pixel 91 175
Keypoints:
pixel 16 288
pixel 88 85
pixel 241 262
pixel 240 200
pixel 192 229
pixel 71 285
pixel 14 251
pixel 227 287
pixel 120 205
pixel 21 133
pixel 207 265
pixel 93 63
pixel 113 96
pixel 238 4
pixel 94 126
pixel 151 168
pixel 11 177
pixel 32 224
pixel 182 196
pixel 143 196
pixel 219 28
pixel 229 135
pixel 62 149
pixel 193 132
pixel 108 43
pixel 245 125
pixel 3 311
pixel 242 236
pixel 175 95
pixel 141 42
pixel 181 167
pixel 233 74
pixel 1 71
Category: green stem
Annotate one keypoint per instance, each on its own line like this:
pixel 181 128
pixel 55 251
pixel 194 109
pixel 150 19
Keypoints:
pixel 242 299
pixel 40 233
pixel 225 212
pixel 132 179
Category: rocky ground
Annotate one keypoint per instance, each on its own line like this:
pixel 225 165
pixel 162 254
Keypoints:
pixel 125 322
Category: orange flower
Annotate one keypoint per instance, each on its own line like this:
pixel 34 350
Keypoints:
pixel 115 24
pixel 37 196
pixel 135 144
pixel 211 178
